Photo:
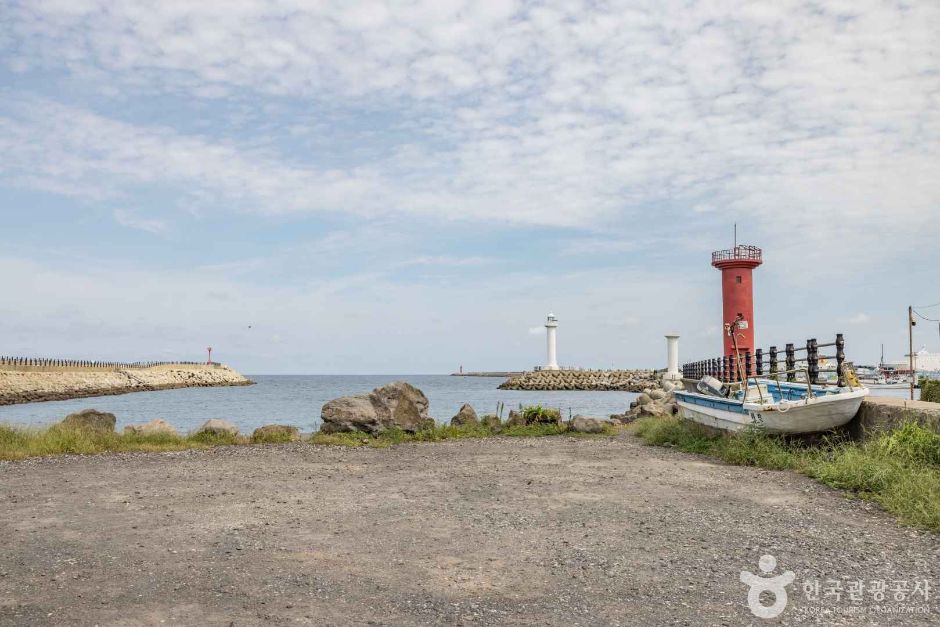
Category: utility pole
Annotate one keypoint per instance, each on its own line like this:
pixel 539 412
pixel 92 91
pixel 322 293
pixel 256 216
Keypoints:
pixel 910 344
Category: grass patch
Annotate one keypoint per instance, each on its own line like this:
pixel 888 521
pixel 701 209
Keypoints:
pixel 540 415
pixel 899 470
pixel 16 443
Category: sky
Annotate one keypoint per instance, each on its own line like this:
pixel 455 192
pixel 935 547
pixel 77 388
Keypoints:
pixel 408 187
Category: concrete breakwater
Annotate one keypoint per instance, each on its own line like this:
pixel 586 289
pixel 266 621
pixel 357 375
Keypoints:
pixel 586 380
pixel 26 384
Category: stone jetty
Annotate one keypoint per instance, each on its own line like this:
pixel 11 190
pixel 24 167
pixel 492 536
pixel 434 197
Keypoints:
pixel 31 383
pixel 588 380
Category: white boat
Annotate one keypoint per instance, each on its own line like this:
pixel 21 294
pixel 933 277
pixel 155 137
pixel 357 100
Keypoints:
pixel 775 407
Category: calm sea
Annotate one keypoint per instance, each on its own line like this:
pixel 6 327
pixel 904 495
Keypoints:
pixel 296 400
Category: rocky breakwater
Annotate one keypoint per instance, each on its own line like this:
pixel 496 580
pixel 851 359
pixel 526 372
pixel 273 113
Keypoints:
pixel 24 386
pixel 587 380
pixel 657 400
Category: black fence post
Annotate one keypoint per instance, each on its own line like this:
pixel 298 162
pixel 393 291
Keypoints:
pixel 773 360
pixel 840 359
pixel 747 364
pixel 791 363
pixel 759 362
pixel 812 360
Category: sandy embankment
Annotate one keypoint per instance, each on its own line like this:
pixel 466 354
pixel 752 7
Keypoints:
pixel 19 386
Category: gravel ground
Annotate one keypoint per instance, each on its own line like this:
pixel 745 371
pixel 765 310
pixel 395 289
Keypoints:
pixel 561 531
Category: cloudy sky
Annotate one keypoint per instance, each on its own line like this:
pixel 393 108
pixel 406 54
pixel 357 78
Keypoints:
pixel 404 187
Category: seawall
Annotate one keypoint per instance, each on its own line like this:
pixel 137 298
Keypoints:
pixel 586 380
pixel 28 384
pixel 883 413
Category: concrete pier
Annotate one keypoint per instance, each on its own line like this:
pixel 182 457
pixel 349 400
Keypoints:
pixel 884 413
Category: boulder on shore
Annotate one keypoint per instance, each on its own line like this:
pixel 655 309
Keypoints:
pixel 466 416
pixel 491 422
pixel 90 419
pixel 585 424
pixel 150 428
pixel 218 427
pixel 276 433
pixel 396 405
pixel 515 419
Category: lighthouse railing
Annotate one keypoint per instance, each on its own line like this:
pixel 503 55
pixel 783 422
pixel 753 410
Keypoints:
pixel 767 363
pixel 741 251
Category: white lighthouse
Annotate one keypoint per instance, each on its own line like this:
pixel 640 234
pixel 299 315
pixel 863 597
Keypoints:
pixel 550 325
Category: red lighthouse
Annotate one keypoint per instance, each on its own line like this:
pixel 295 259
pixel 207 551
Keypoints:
pixel 737 293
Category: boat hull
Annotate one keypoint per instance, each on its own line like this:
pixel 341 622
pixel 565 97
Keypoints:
pixel 821 413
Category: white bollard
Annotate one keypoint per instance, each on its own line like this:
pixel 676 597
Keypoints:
pixel 672 358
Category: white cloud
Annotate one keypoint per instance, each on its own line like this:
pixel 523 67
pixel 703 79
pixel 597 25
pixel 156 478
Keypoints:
pixel 128 219
pixel 803 118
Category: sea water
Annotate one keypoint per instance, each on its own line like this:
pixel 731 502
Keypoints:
pixel 297 400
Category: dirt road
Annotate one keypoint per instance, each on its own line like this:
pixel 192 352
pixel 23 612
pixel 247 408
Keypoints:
pixel 560 531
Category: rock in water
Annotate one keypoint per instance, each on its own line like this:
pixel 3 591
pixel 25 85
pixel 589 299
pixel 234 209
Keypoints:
pixel 584 424
pixel 218 427
pixel 276 433
pixel 398 404
pixel 466 416
pixel 150 428
pixel 90 419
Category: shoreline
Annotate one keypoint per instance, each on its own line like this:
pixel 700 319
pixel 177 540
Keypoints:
pixel 91 393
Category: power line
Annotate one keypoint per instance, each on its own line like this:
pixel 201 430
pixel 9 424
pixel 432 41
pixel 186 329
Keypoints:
pixel 920 315
pixel 927 306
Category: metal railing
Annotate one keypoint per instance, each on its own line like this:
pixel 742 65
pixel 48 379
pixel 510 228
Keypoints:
pixel 41 362
pixel 730 368
pixel 741 251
